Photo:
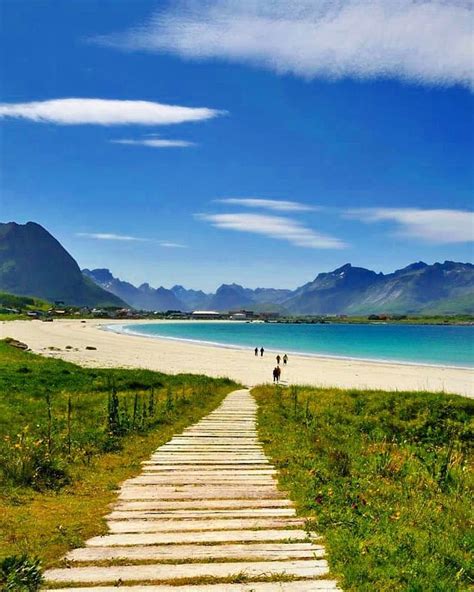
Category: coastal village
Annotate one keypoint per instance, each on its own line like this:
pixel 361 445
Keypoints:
pixel 249 316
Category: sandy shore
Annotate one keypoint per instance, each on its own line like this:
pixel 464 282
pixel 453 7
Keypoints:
pixel 129 351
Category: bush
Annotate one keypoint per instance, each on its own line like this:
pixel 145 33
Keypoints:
pixel 26 461
pixel 20 574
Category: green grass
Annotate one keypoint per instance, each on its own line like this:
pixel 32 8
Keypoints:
pixel 70 435
pixel 21 303
pixel 385 477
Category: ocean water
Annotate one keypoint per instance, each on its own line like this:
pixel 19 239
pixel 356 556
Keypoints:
pixel 418 344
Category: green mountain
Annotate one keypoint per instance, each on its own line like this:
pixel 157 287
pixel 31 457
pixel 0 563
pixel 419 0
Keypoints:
pixel 33 263
pixel 441 288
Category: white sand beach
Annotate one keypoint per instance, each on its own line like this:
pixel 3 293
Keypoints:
pixel 130 351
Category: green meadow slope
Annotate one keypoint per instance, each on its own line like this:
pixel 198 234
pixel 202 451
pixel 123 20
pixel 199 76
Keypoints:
pixel 70 435
pixel 385 477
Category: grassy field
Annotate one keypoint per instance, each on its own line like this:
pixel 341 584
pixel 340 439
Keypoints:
pixel 22 304
pixel 385 477
pixel 69 436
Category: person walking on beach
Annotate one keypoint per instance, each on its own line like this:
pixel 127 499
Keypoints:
pixel 278 359
pixel 256 351
pixel 261 352
pixel 276 374
pixel 285 359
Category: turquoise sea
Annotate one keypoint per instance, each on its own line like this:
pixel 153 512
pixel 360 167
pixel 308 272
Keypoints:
pixel 416 344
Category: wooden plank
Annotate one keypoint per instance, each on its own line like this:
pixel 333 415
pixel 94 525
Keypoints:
pixel 255 551
pixel 138 573
pixel 220 536
pixel 159 524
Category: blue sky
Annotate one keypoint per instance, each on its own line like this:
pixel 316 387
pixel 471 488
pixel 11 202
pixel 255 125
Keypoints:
pixel 219 141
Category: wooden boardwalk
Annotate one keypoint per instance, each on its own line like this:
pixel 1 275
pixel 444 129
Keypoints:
pixel 205 510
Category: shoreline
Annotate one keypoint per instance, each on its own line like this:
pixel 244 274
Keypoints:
pixel 114 349
pixel 310 355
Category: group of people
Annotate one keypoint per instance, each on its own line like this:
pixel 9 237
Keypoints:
pixel 277 369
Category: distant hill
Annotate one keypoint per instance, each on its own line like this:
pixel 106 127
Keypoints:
pixel 227 296
pixel 231 297
pixel 192 299
pixel 333 292
pixel 143 298
pixel 235 297
pixel 418 288
pixel 33 263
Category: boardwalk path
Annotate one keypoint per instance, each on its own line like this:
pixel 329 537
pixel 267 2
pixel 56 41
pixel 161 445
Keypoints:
pixel 205 508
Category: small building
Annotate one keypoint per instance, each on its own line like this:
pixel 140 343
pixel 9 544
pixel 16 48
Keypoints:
pixel 238 316
pixel 99 312
pixel 206 314
pixel 241 315
pixel 176 314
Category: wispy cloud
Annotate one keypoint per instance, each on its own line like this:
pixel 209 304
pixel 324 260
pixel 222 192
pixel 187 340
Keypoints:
pixel 73 111
pixel 268 204
pixel 168 245
pixel 111 236
pixel 155 143
pixel 107 236
pixel 276 227
pixel 434 226
pixel 423 41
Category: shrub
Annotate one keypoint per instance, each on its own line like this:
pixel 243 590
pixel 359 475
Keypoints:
pixel 20 574
pixel 26 461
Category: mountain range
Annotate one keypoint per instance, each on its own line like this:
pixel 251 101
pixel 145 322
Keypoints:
pixel 442 288
pixel 33 263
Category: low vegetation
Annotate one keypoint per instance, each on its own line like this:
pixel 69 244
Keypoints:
pixel 69 436
pixel 16 307
pixel 385 477
pixel 386 319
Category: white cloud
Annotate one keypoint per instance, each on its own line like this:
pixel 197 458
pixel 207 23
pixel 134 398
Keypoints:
pixel 124 237
pixel 105 112
pixel 269 204
pixel 424 41
pixel 155 143
pixel 168 245
pixel 276 227
pixel 110 236
pixel 434 226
